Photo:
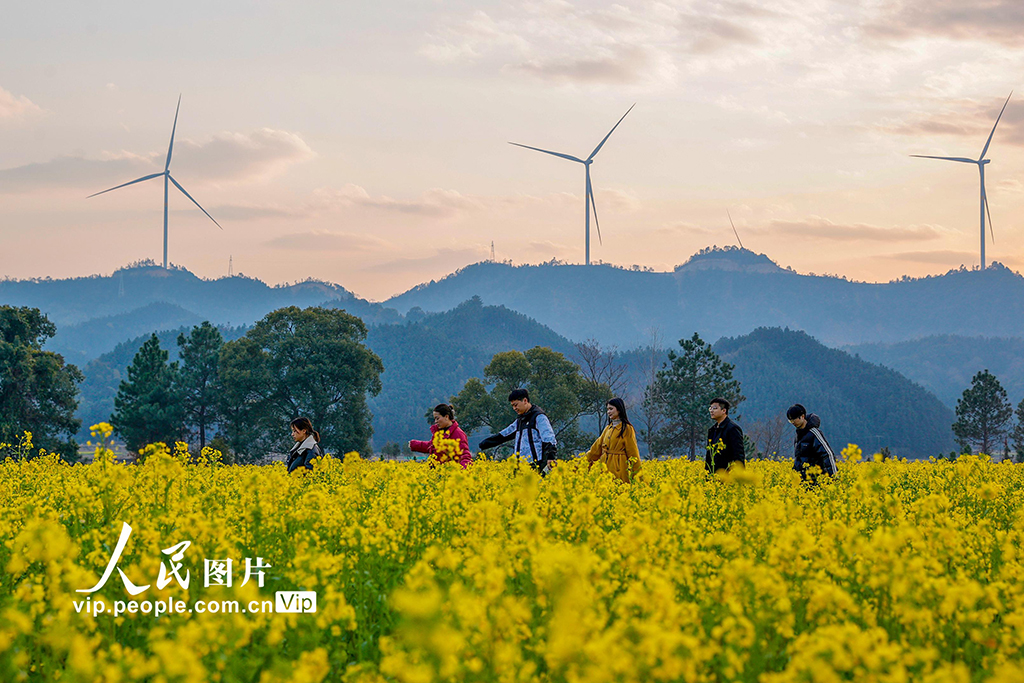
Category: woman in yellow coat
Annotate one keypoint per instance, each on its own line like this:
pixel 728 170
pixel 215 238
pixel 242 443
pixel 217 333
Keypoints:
pixel 616 447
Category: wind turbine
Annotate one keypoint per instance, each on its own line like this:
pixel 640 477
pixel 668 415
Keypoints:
pixel 588 199
pixel 980 161
pixel 734 228
pixel 166 174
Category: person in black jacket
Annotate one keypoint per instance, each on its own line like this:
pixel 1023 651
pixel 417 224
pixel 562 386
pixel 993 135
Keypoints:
pixel 307 445
pixel 725 439
pixel 532 432
pixel 810 448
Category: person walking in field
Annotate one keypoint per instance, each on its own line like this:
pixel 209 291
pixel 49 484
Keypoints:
pixel 725 439
pixel 533 436
pixel 810 447
pixel 616 448
pixel 448 442
pixel 307 445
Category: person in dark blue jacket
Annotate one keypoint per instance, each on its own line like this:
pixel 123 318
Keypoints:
pixel 307 445
pixel 810 447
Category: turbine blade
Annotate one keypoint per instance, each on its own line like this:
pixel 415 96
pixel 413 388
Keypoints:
pixel 990 228
pixel 960 159
pixel 734 228
pixel 557 154
pixel 989 141
pixel 601 144
pixel 132 182
pixel 170 147
pixel 193 200
pixel 590 194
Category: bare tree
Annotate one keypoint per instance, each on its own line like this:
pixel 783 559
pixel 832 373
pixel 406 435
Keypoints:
pixel 770 437
pixel 649 417
pixel 601 366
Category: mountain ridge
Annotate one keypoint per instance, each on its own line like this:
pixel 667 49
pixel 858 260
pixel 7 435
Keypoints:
pixel 622 306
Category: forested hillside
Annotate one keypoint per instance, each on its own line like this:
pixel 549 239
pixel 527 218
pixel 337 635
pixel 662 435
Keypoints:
pixel 426 361
pixel 87 340
pixel 429 355
pixel 858 402
pixel 945 364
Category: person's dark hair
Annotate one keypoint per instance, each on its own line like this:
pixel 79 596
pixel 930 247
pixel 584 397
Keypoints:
pixel 795 411
pixel 722 402
pixel 621 407
pixel 304 424
pixel 519 395
pixel 445 410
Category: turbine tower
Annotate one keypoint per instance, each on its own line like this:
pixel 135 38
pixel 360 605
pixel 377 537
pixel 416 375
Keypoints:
pixel 980 161
pixel 588 199
pixel 166 174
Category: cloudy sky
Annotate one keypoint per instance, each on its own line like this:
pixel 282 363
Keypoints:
pixel 366 143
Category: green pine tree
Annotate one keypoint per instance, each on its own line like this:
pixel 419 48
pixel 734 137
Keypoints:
pixel 983 414
pixel 685 388
pixel 197 379
pixel 148 407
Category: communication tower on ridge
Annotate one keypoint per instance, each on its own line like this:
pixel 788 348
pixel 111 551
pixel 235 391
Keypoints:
pixel 492 251
pixel 231 269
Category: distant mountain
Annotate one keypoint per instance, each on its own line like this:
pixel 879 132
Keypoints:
pixel 225 301
pixel 945 364
pixel 82 342
pixel 727 292
pixel 858 402
pixel 94 314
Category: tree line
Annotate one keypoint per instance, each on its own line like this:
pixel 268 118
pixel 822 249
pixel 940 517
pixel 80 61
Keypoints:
pixel 310 362
pixel 240 395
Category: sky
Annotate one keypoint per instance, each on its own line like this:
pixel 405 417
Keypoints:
pixel 366 143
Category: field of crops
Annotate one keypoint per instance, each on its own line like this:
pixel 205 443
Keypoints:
pixel 894 572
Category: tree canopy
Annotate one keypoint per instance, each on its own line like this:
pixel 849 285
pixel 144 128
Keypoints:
pixel 38 390
pixel 148 407
pixel 555 384
pixel 300 362
pixel 983 414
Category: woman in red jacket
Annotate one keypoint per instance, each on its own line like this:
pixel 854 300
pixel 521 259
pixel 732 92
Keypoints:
pixel 445 430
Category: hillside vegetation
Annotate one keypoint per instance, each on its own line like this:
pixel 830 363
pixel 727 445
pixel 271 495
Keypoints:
pixel 858 402
pixel 945 364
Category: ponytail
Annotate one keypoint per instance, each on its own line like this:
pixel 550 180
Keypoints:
pixel 304 424
pixel 445 410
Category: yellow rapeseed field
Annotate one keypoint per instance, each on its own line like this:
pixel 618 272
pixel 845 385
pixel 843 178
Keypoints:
pixel 893 572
